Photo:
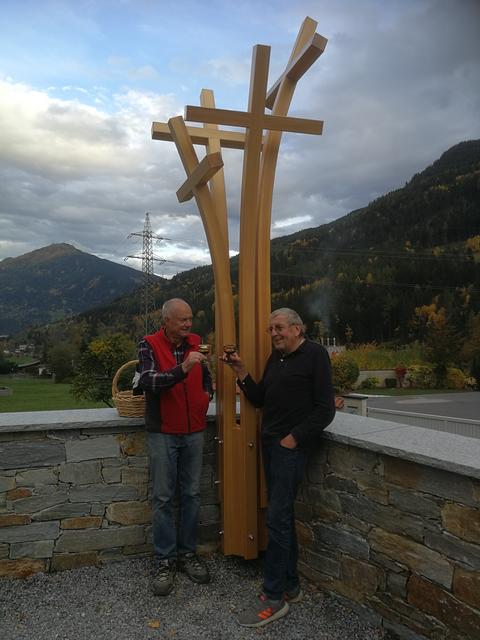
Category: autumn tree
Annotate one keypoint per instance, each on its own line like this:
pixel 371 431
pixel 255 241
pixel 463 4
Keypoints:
pixel 98 365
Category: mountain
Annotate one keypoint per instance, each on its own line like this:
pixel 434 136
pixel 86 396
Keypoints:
pixel 55 282
pixel 363 273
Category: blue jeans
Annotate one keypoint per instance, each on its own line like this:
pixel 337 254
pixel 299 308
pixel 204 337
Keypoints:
pixel 175 457
pixel 283 473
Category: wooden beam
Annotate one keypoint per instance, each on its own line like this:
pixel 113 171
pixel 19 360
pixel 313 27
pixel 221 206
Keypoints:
pixel 207 168
pixel 299 65
pixel 202 135
pixel 244 119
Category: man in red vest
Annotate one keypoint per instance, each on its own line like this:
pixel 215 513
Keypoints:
pixel 177 391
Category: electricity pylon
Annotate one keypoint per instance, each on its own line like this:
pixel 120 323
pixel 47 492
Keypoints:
pixel 148 259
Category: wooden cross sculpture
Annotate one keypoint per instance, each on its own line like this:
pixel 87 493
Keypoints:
pixel 242 494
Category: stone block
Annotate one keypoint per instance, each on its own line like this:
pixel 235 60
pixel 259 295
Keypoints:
pixel 397 584
pixel 66 561
pixel 29 532
pixel 387 563
pixel 4 550
pixel 112 462
pixel 38 549
pixel 321 563
pixel 112 475
pixel 40 501
pixel 36 477
pixel 64 510
pixel 92 448
pixel 339 538
pixel 83 522
pixel 417 557
pixel 466 586
pixel 303 512
pixel 12 519
pixel 97 509
pixel 6 483
pixel 443 606
pixel 24 455
pixel 414 503
pixel 338 483
pixel 429 480
pixel 20 568
pixel 305 535
pixel 139 550
pixel 18 494
pixel 79 473
pixel 111 555
pixel 133 444
pixel 414 624
pixel 135 475
pixel 454 548
pixel 353 462
pixel 324 503
pixel 315 473
pixel 129 513
pixel 97 539
pixel 102 493
pixel 383 516
pixel 360 576
pixel 138 461
pixel 463 522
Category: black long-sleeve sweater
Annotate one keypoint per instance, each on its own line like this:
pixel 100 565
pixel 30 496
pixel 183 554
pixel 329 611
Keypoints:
pixel 296 394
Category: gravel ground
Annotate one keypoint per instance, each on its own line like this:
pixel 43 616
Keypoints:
pixel 114 602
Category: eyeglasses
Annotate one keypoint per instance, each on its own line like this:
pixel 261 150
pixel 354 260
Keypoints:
pixel 277 328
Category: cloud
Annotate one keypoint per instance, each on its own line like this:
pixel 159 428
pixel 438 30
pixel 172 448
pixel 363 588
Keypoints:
pixel 396 86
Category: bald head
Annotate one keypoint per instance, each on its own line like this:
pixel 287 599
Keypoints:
pixel 176 319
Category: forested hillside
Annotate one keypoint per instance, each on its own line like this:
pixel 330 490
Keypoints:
pixel 362 276
pixel 55 282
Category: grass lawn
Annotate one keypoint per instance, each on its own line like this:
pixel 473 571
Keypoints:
pixel 36 394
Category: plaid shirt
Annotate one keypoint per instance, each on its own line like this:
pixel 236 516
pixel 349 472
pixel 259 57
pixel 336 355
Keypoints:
pixel 151 379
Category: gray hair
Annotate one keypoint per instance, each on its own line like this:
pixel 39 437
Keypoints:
pixel 292 317
pixel 168 306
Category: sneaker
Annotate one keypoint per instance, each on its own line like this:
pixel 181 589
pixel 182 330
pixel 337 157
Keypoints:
pixel 195 569
pixel 294 595
pixel 264 612
pixel 164 577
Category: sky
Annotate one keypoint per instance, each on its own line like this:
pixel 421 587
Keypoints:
pixel 81 82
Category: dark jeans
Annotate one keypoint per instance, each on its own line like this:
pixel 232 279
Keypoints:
pixel 175 457
pixel 283 473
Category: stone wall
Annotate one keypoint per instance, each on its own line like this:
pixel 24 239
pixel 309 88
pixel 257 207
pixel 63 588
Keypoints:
pixel 75 492
pixel 388 517
pixel 398 539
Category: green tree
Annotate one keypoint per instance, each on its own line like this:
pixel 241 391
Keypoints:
pixel 60 359
pixel 97 366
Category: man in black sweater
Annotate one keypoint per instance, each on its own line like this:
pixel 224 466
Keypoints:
pixel 297 398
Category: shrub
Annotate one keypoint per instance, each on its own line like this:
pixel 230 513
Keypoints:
pixel 345 372
pixel 420 376
pixel 470 383
pixel 455 378
pixel 370 383
pixel 391 383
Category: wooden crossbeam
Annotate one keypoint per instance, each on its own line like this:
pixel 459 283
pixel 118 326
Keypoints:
pixel 206 169
pixel 299 65
pixel 202 135
pixel 244 119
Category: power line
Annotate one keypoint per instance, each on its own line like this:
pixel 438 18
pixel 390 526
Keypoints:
pixel 413 285
pixel 148 259
pixel 384 254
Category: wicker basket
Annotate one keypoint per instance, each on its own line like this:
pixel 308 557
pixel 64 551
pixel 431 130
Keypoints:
pixel 128 405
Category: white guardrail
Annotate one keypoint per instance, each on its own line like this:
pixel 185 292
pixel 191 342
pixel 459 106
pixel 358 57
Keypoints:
pixel 462 427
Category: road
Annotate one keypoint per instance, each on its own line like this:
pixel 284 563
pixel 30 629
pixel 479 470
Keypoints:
pixel 452 405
